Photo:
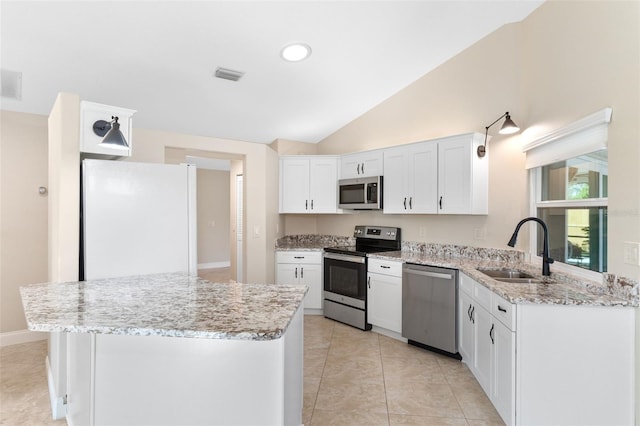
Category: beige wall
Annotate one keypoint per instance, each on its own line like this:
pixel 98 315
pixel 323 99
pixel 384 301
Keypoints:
pixel 213 216
pixel 23 211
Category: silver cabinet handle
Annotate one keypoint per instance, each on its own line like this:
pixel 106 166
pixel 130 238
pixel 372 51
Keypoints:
pixel 362 168
pixel 385 267
pixel 369 281
pixel 405 203
pixel 410 200
pixel 501 309
pixel 296 273
pixel 301 272
pixel 306 204
pixel 358 168
pixel 491 334
pixel 311 204
pixel 298 257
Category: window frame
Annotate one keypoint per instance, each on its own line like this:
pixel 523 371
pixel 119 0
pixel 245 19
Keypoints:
pixel 535 202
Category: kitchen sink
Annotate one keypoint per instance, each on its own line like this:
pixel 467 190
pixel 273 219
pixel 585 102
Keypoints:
pixel 510 276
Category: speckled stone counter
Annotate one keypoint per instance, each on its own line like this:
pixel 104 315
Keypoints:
pixel 561 289
pixel 174 305
pixel 312 242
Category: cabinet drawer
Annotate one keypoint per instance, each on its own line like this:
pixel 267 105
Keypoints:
pixel 482 296
pixel 299 257
pixel 504 312
pixel 385 267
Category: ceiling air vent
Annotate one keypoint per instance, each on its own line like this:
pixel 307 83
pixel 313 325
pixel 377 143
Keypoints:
pixel 228 74
pixel 11 84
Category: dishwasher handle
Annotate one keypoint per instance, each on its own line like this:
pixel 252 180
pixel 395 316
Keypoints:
pixel 428 274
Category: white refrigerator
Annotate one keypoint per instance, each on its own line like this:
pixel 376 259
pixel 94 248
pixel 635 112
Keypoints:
pixel 137 218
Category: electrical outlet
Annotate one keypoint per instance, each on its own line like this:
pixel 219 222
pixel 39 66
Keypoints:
pixel 256 231
pixel 632 253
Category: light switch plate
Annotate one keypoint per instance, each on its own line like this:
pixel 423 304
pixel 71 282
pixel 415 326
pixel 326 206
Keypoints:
pixel 632 253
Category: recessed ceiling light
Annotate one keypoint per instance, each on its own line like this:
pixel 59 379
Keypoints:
pixel 295 52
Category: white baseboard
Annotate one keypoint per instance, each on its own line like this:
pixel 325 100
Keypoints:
pixel 21 336
pixel 214 265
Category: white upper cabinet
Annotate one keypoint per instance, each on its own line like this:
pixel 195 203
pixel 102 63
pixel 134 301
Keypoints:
pixel 91 114
pixel 463 177
pixel 361 164
pixel 308 184
pixel 440 176
pixel 411 178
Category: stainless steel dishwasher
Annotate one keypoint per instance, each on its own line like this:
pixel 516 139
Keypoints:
pixel 429 308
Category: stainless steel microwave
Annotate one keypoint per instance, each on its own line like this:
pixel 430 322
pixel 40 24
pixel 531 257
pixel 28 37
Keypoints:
pixel 360 193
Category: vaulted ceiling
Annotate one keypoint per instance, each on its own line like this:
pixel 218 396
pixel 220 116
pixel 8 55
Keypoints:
pixel 159 58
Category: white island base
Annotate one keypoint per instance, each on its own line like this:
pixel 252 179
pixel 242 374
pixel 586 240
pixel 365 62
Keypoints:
pixel 153 380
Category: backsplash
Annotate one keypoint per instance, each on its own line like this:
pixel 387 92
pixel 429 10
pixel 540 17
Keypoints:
pixel 314 241
pixel 451 250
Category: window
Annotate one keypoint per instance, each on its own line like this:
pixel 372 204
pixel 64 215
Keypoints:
pixel 569 188
pixel 571 198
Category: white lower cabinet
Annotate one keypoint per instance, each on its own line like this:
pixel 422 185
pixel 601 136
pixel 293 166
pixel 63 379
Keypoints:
pixel 384 294
pixel 302 268
pixel 549 364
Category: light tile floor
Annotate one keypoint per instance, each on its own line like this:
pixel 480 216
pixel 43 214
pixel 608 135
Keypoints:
pixel 351 377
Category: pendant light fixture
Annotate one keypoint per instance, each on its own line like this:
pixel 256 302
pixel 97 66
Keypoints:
pixel 508 128
pixel 111 132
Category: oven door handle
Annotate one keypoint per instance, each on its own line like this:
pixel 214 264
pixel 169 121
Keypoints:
pixel 346 258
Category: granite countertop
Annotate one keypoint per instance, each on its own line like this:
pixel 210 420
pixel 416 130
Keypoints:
pixel 561 290
pixel 175 305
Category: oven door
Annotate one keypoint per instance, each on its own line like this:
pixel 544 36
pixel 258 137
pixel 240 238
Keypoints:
pixel 345 279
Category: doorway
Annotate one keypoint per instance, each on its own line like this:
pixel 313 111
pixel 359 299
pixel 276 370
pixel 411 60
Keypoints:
pixel 220 216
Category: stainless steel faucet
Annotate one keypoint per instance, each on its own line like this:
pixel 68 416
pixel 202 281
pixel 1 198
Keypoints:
pixel 546 260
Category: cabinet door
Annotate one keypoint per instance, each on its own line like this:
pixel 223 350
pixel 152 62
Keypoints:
pixel 323 185
pixel 454 176
pixel 361 164
pixel 311 276
pixel 384 298
pixel 294 185
pixel 395 189
pixel 423 178
pixel 287 273
pixel 372 164
pixel 467 329
pixel 503 372
pixel 483 347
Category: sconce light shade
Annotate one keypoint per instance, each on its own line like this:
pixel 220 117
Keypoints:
pixel 112 135
pixel 508 128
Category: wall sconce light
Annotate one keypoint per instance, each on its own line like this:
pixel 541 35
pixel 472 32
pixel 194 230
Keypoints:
pixel 111 132
pixel 507 128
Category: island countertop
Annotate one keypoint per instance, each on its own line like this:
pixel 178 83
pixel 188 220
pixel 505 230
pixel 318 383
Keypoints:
pixel 175 305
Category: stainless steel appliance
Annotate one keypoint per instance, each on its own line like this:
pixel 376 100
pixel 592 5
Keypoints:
pixel 345 274
pixel 429 308
pixel 360 193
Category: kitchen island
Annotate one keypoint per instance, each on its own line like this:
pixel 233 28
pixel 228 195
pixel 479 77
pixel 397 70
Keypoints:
pixel 170 349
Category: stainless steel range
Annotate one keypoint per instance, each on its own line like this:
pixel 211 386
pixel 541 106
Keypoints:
pixel 345 274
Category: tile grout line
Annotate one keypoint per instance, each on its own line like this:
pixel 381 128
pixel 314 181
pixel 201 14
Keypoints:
pixel 315 399
pixel 384 383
